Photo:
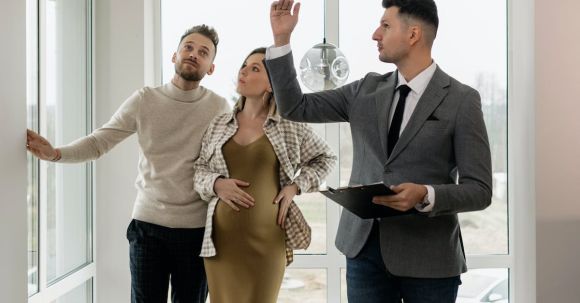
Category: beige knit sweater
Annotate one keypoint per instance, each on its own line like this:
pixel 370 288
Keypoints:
pixel 170 124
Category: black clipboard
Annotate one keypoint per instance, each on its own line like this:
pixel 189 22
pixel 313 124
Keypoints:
pixel 358 200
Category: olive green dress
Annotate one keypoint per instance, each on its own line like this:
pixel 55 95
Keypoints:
pixel 250 261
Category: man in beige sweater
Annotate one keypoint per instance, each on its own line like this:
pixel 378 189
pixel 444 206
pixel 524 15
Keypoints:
pixel 166 232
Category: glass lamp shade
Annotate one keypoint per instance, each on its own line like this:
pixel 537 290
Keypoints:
pixel 323 67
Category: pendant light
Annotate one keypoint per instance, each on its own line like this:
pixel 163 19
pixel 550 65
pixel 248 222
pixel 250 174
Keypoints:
pixel 324 66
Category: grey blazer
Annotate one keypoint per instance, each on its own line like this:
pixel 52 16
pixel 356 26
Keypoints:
pixel 444 145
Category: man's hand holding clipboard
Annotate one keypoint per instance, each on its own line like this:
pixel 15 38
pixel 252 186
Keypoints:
pixel 403 197
pixel 359 200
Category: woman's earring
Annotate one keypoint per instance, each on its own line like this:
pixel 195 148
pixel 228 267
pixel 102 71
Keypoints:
pixel 267 96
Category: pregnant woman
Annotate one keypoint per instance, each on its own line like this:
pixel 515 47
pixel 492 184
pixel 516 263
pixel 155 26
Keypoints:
pixel 251 166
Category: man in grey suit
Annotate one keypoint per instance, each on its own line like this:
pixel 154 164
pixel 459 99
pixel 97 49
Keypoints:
pixel 418 131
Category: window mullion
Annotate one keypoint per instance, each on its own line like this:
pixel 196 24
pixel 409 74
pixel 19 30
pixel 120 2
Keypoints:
pixel 42 172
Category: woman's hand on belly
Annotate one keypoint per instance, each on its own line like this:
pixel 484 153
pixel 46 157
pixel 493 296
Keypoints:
pixel 229 191
pixel 284 198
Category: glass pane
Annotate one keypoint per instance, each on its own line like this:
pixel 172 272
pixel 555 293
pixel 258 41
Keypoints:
pixel 313 207
pixel 477 59
pixel 81 294
pixel 343 298
pixel 65 118
pixel 32 123
pixel 485 69
pixel 303 286
pixel 484 285
pixel 236 42
pixel 345 154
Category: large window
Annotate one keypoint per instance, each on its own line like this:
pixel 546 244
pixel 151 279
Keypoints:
pixel 470 47
pixel 59 108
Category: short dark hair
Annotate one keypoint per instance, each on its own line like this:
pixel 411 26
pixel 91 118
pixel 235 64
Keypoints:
pixel 424 10
pixel 204 30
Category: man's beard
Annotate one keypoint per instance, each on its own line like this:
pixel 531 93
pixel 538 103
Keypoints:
pixel 189 76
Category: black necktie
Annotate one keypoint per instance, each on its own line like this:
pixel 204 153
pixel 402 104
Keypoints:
pixel 393 135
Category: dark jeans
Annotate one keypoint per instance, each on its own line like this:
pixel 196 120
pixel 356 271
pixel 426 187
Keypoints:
pixel 368 281
pixel 159 255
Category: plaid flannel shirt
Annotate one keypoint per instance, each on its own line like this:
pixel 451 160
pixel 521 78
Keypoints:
pixel 305 159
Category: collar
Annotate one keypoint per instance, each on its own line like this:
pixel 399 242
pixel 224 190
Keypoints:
pixel 420 82
pixel 176 93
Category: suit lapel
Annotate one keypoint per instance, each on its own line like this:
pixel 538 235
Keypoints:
pixel 434 93
pixel 383 100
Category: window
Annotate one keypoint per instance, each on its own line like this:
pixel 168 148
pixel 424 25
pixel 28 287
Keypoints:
pixel 81 294
pixel 59 108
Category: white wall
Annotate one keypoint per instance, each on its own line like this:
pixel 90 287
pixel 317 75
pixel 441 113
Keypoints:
pixel 13 229
pixel 119 71
pixel 558 150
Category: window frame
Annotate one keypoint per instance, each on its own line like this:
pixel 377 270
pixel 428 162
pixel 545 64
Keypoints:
pixel 49 291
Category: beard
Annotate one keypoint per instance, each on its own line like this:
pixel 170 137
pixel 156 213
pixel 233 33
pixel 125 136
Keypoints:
pixel 194 75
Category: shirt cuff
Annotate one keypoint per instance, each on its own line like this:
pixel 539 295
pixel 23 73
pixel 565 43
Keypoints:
pixel 428 202
pixel 273 52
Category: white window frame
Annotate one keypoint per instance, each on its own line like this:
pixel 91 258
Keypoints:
pixel 521 257
pixel 51 291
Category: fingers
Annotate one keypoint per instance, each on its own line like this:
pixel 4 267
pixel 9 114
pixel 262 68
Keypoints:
pixel 231 204
pixel 287 4
pixel 283 211
pixel 247 197
pixel 278 198
pixel 33 136
pixel 386 199
pixel 30 133
pixel 243 199
pixel 274 6
pixel 30 136
pixel 282 7
pixel 296 9
pixel 241 183
pixel 282 4
pixel 33 151
pixel 34 148
pixel 395 201
pixel 397 188
pixel 228 191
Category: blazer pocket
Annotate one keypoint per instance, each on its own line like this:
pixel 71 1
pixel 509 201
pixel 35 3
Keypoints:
pixel 432 118
pixel 435 124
